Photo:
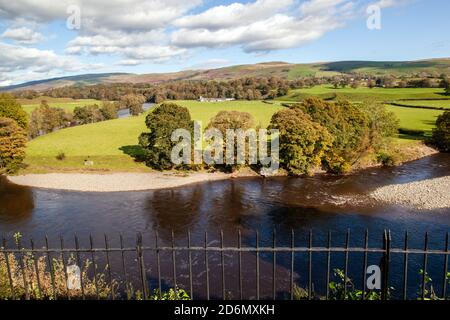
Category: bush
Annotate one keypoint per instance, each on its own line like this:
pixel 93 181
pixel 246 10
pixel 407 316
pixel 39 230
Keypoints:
pixel 61 156
pixel 441 134
pixel 13 140
pixel 386 159
pixel 10 108
pixel 303 142
pixel 162 122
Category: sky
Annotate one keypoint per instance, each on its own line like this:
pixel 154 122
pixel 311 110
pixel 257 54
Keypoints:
pixel 42 39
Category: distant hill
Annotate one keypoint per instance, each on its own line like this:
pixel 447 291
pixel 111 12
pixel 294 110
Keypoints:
pixel 280 69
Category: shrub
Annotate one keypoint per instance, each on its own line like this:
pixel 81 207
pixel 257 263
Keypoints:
pixel 386 159
pixel 303 142
pixel 61 156
pixel 441 134
pixel 51 285
pixel 13 140
pixel 162 122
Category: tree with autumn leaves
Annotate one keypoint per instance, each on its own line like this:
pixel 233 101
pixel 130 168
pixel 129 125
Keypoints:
pixel 13 135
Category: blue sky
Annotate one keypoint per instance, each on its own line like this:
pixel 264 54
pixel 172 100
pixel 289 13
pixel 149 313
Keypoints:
pixel 144 36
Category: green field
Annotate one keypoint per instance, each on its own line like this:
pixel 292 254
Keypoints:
pixel 109 143
pixel 65 103
pixel 414 119
pixel 204 111
pixel 445 104
pixel 364 93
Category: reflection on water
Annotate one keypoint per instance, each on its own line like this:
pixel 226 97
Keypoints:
pixel 320 203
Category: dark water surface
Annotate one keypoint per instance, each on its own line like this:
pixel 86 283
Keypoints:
pixel 319 203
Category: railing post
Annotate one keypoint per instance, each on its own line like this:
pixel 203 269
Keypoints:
pixel 141 266
pixel 386 261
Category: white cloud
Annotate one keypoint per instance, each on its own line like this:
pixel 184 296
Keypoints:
pixel 390 3
pixel 235 14
pixel 98 15
pixel 144 46
pixel 21 62
pixel 23 35
pixel 279 30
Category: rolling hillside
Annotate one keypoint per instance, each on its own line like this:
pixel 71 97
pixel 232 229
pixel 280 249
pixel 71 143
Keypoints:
pixel 280 69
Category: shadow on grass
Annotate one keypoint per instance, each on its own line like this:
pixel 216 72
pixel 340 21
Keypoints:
pixel 134 151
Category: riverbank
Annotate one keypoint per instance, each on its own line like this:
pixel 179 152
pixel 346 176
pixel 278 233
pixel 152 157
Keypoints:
pixel 425 195
pixel 115 182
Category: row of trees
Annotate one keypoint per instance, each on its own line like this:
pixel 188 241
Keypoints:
pixel 250 88
pixel 13 134
pixel 333 136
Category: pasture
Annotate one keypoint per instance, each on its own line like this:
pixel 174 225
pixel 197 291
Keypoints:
pixel 65 103
pixel 109 144
pixel 364 93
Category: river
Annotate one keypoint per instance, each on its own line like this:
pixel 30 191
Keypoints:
pixel 319 203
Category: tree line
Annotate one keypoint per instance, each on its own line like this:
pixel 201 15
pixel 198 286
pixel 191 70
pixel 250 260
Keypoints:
pixel 250 88
pixel 314 134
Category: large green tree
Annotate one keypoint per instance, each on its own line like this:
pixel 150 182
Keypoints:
pixel 162 122
pixel 10 108
pixel 232 120
pixel 349 126
pixel 13 139
pixel 303 142
pixel 441 134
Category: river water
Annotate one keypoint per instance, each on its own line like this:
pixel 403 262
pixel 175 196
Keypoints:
pixel 320 203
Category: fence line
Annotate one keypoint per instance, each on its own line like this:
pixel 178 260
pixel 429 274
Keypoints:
pixel 35 273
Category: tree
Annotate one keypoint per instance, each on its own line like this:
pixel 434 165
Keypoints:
pixel 441 133
pixel 109 110
pixel 382 123
pixel 88 114
pixel 162 122
pixel 10 108
pixel 13 139
pixel 303 143
pixel 232 120
pixel 347 124
pixel 45 119
pixel 133 103
pixel 445 83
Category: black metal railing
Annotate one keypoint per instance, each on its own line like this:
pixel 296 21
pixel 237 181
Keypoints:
pixel 217 270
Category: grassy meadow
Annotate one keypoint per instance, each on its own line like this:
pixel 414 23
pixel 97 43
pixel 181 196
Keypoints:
pixel 110 143
pixel 364 93
pixel 65 103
